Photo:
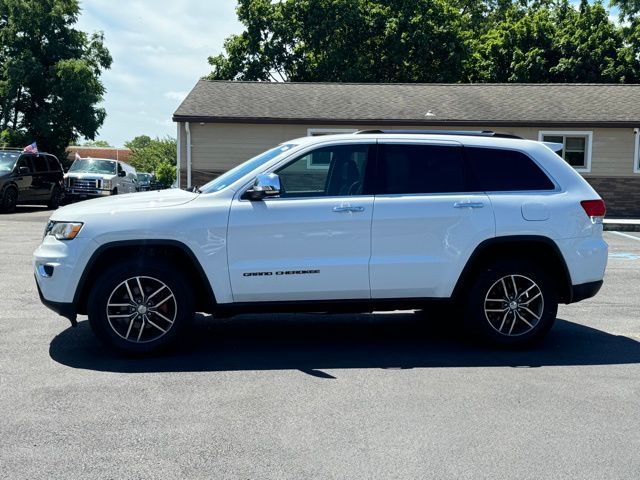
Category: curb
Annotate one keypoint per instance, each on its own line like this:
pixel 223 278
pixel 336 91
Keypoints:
pixel 622 227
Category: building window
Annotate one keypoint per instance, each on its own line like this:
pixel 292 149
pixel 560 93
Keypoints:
pixel 576 147
pixel 636 156
pixel 321 161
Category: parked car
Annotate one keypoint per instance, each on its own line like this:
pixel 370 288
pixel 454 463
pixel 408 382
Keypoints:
pixel 499 228
pixel 146 181
pixel 29 178
pixel 98 177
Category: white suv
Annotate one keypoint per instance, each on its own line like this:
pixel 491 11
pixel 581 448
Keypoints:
pixel 377 220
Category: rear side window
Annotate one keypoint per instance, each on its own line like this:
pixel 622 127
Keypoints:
pixel 495 170
pixel 410 169
pixel 39 163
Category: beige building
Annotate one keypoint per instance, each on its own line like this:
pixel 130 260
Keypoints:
pixel 221 124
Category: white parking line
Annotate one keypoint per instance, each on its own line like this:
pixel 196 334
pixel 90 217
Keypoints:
pixel 626 235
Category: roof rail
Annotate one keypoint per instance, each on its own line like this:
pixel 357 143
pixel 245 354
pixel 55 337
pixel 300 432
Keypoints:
pixel 10 149
pixel 466 133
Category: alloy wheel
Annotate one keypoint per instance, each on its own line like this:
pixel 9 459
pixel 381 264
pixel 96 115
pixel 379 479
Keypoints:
pixel 514 305
pixel 141 309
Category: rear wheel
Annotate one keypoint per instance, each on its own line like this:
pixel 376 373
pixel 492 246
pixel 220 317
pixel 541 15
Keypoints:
pixel 512 303
pixel 9 200
pixel 56 197
pixel 140 307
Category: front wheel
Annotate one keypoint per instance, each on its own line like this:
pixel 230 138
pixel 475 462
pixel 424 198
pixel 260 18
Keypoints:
pixel 512 303
pixel 139 307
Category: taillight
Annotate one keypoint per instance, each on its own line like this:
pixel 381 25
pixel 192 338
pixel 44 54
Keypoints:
pixel 594 208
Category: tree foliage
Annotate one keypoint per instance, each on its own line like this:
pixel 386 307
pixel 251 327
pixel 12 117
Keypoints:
pixel 156 156
pixel 553 43
pixel 428 41
pixel 98 144
pixel 344 40
pixel 49 75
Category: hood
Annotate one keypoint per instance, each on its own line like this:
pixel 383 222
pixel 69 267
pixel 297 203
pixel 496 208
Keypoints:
pixel 128 202
pixel 89 176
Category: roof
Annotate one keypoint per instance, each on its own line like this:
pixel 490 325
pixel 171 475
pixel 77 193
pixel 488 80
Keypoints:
pixel 412 104
pixel 106 153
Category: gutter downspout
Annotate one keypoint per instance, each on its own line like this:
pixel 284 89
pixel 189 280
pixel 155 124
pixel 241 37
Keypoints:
pixel 179 154
pixel 188 129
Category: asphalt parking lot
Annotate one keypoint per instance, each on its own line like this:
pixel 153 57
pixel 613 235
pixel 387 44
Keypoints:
pixel 318 396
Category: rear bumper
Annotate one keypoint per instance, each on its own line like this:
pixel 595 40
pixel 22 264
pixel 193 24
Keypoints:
pixel 585 290
pixel 67 310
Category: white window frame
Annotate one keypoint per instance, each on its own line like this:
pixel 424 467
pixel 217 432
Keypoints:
pixel 314 132
pixel 636 155
pixel 574 133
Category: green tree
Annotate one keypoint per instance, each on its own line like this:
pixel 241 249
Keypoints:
pixel 165 174
pixel 98 144
pixel 345 40
pixel 552 42
pixel 139 142
pixel 49 74
pixel 156 156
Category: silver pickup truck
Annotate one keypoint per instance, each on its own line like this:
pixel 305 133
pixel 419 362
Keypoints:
pixel 98 177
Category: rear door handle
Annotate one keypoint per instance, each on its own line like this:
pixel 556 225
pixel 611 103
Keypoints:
pixel 345 208
pixel 468 205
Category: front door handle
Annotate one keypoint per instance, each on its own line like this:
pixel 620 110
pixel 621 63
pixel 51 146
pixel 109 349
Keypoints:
pixel 345 208
pixel 468 205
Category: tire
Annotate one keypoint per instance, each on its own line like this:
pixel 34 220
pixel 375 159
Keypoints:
pixel 56 199
pixel 9 200
pixel 148 325
pixel 505 318
pixel 114 191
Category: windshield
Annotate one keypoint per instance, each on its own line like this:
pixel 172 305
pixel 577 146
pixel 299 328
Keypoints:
pixel 241 170
pixel 7 161
pixel 92 165
pixel 144 177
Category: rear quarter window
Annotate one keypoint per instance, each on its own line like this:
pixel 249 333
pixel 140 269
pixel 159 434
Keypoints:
pixel 497 170
pixel 54 165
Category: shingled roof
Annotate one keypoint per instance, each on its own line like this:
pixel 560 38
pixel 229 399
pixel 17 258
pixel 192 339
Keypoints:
pixel 412 104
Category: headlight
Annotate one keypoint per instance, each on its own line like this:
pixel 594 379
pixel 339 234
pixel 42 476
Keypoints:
pixel 106 184
pixel 63 230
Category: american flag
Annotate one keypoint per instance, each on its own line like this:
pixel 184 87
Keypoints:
pixel 33 148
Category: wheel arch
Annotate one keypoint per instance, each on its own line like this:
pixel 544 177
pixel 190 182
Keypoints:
pixel 542 250
pixel 179 254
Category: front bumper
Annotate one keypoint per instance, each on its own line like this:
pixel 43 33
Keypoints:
pixel 67 310
pixel 83 193
pixel 57 267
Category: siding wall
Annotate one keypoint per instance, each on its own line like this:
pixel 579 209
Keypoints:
pixel 218 147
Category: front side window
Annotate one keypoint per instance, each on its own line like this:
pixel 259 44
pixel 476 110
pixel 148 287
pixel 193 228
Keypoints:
pixel 576 147
pixel 413 169
pixel 338 170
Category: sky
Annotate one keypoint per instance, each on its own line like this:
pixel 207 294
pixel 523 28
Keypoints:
pixel 159 50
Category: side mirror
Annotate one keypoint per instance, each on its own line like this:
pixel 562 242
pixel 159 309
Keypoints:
pixel 122 173
pixel 265 185
pixel 24 170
